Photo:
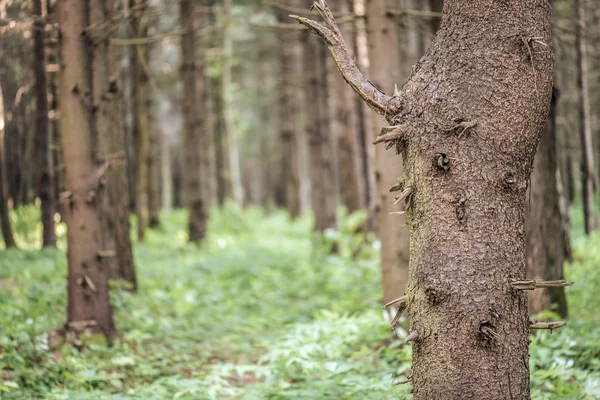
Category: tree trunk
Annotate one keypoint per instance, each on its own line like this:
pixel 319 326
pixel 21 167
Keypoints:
pixel 543 225
pixel 364 115
pixel 88 301
pixel 585 128
pixel 154 174
pixel 233 146
pixel 193 126
pixel 467 123
pixel 111 152
pixel 45 184
pixel 320 137
pixel 288 185
pixel 386 71
pixel 7 233
pixel 345 124
pixel 12 135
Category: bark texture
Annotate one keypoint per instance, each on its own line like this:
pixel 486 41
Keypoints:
pixel 88 299
pixel 45 185
pixel 467 122
pixel 386 71
pixel 546 245
pixel 192 137
pixel 585 127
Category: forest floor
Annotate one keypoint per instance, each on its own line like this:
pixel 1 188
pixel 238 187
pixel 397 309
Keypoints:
pixel 260 311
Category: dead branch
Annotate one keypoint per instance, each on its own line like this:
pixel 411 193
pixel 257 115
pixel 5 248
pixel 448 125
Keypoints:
pixel 330 33
pixel 536 284
pixel 546 325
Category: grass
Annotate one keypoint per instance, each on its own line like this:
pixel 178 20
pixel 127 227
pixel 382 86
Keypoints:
pixel 260 311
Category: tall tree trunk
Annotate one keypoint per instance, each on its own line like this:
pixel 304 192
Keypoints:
pixel 288 185
pixel 543 226
pixel 386 71
pixel 468 136
pixel 111 152
pixel 166 174
pixel 320 137
pixel 88 301
pixel 364 115
pixel 129 62
pixel 193 126
pixel 233 146
pixel 7 233
pixel 345 124
pixel 11 136
pixel 45 184
pixel 585 128
pixel 154 174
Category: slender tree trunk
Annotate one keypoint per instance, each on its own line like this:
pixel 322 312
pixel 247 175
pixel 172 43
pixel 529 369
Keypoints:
pixel 585 128
pixel 111 153
pixel 193 126
pixel 88 301
pixel 467 163
pixel 545 239
pixel 45 184
pixel 142 125
pixel 288 186
pixel 166 174
pixel 386 71
pixel 154 175
pixel 129 62
pixel 320 138
pixel 345 124
pixel 233 145
pixel 12 172
pixel 7 233
pixel 366 121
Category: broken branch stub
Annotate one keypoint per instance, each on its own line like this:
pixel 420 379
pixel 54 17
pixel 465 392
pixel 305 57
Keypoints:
pixel 536 284
pixel 331 34
pixel 546 325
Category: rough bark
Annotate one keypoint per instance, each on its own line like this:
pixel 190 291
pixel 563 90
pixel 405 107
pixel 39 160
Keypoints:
pixel 386 71
pixel 233 145
pixel 193 126
pixel 467 122
pixel 88 298
pixel 543 226
pixel 320 137
pixel 45 184
pixel 585 128
pixel 111 152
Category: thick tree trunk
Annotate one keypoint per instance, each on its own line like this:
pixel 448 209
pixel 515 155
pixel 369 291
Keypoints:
pixel 233 146
pixel 386 71
pixel 111 152
pixel 45 184
pixel 12 172
pixel 88 301
pixel 320 137
pixel 585 128
pixel 467 123
pixel 544 224
pixel 193 126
